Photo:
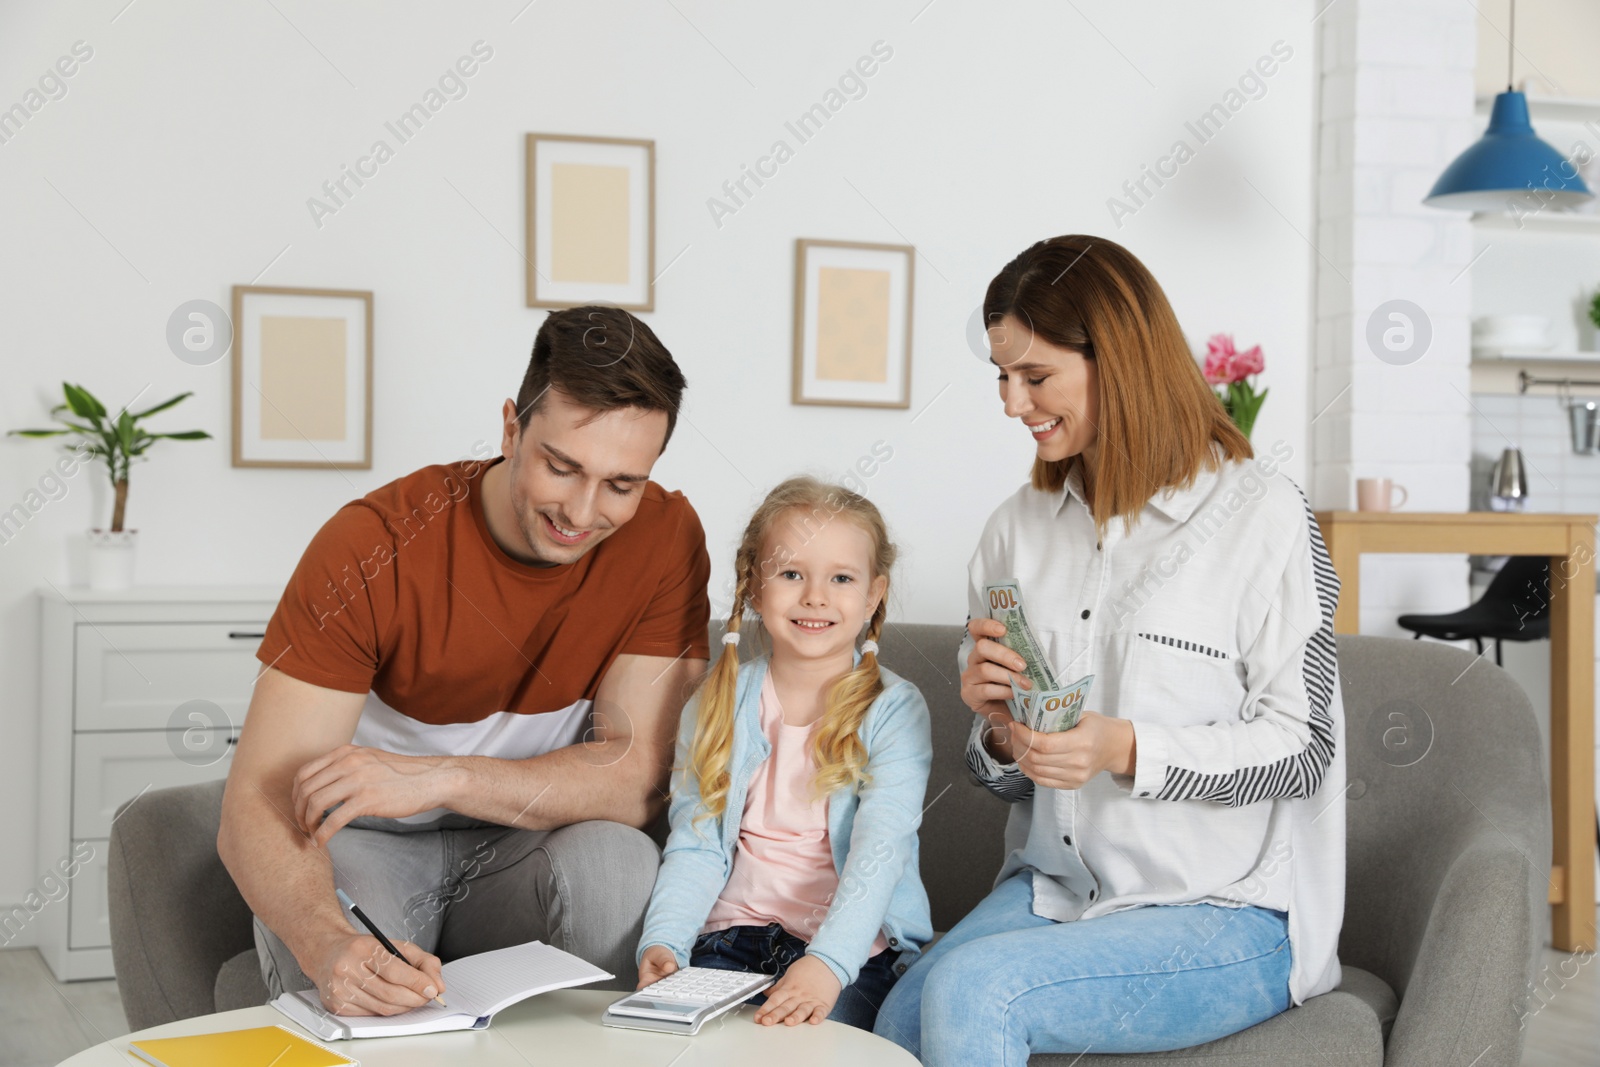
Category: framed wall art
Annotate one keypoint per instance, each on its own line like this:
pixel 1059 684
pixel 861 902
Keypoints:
pixel 302 377
pixel 852 323
pixel 591 221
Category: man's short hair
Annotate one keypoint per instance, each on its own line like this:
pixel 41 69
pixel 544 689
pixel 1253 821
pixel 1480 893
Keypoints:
pixel 601 358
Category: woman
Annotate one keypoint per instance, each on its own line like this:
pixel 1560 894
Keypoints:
pixel 1154 553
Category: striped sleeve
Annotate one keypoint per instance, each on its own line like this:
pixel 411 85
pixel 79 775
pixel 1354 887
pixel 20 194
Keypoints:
pixel 1005 781
pixel 1284 742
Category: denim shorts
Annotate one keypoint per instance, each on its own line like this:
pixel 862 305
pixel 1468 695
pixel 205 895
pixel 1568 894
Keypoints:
pixel 770 949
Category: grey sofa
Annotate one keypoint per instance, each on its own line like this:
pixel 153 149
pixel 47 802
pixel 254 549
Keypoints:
pixel 1448 857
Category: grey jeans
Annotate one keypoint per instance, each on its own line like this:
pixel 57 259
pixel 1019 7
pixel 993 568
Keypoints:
pixel 582 888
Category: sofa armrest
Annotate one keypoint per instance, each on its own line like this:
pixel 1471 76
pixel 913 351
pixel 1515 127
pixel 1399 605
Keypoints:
pixel 176 915
pixel 1474 961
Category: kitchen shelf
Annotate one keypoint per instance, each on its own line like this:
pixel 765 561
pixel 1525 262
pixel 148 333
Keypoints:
pixel 1551 221
pixel 1503 374
pixel 1552 108
pixel 1515 356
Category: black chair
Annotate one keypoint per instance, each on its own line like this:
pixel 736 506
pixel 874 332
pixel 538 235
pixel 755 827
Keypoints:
pixel 1515 607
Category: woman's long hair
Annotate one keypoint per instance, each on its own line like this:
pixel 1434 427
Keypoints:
pixel 1160 423
pixel 840 756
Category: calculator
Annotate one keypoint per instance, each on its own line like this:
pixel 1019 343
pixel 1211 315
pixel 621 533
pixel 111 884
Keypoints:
pixel 684 1001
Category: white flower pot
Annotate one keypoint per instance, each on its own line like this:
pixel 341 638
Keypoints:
pixel 111 558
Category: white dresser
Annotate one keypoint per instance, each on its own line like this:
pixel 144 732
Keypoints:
pixel 139 689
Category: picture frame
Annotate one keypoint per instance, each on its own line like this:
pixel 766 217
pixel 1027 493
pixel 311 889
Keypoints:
pixel 591 221
pixel 302 377
pixel 852 323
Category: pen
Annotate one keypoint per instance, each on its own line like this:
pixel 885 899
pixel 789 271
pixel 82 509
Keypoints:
pixel 372 928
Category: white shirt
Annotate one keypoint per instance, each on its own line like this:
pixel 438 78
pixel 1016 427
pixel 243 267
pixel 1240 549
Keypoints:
pixel 1209 626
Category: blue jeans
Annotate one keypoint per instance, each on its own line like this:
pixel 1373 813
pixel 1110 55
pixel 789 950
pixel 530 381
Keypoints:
pixel 770 949
pixel 1006 983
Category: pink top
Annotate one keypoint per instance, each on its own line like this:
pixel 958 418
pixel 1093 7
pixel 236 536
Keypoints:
pixel 783 867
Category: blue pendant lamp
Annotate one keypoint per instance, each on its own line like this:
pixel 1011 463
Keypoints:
pixel 1509 162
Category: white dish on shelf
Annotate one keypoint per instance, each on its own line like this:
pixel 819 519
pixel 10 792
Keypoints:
pixel 1497 349
pixel 1510 324
pixel 1500 332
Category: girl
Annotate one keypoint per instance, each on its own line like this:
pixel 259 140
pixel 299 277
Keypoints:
pixel 799 779
pixel 1176 860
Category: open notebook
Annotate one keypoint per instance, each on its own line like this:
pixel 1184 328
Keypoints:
pixel 476 988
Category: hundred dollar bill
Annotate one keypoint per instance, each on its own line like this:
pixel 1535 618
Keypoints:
pixel 1021 703
pixel 1054 710
pixel 1005 604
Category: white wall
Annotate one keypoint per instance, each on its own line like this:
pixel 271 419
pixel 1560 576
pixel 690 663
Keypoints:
pixel 180 161
pixel 1555 46
pixel 1396 108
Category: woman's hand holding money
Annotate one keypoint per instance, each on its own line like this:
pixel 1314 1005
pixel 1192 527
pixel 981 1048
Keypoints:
pixel 986 683
pixel 1069 759
pixel 1064 760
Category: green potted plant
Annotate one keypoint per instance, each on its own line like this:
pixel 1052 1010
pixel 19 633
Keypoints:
pixel 117 441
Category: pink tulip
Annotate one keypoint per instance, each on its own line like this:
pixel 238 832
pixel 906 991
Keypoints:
pixel 1226 365
pixel 1219 359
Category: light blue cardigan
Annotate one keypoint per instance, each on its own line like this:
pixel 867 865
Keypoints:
pixel 873 834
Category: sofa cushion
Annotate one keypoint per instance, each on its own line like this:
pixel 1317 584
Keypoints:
pixel 1343 1028
pixel 239 983
pixel 962 839
pixel 176 916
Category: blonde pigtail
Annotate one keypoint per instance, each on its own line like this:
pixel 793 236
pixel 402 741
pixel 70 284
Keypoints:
pixel 713 732
pixel 840 755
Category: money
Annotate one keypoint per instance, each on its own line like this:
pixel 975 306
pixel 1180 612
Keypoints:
pixel 1046 706
pixel 1058 709
pixel 1052 710
pixel 1021 708
pixel 1005 604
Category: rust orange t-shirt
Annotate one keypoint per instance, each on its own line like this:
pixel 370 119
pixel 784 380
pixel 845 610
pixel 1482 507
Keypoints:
pixel 404 595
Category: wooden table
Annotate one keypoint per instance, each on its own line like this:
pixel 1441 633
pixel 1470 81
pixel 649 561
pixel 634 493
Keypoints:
pixel 1569 542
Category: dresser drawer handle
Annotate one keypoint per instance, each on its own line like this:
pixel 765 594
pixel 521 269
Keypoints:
pixel 242 635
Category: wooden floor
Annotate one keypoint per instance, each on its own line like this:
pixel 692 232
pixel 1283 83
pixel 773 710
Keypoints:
pixel 1566 1028
pixel 43 1021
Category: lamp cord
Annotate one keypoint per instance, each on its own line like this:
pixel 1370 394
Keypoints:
pixel 1511 47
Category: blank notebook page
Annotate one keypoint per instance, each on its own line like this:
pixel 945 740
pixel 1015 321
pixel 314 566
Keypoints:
pixel 485 983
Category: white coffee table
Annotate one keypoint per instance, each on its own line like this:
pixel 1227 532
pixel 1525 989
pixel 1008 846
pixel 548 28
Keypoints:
pixel 562 1027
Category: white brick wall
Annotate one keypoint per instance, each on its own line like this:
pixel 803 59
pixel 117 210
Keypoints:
pixel 1559 480
pixel 1396 104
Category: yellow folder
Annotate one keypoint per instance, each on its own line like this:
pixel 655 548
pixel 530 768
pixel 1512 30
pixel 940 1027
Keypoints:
pixel 277 1046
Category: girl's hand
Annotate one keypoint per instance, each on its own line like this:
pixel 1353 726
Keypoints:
pixel 806 991
pixel 986 683
pixel 1069 759
pixel 656 963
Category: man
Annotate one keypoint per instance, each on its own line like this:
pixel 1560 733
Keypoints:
pixel 471 689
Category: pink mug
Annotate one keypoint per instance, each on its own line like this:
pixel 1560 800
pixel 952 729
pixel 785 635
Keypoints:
pixel 1377 494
